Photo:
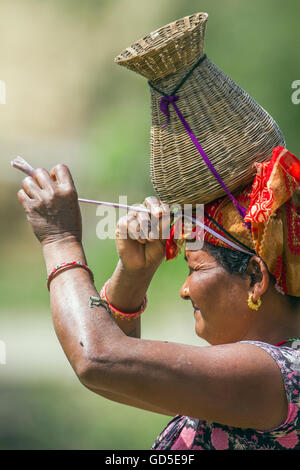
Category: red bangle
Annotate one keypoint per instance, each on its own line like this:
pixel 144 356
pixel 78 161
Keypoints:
pixel 117 313
pixel 63 267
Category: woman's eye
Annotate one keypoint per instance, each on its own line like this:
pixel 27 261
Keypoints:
pixel 194 268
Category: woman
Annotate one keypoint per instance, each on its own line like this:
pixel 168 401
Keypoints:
pixel 241 392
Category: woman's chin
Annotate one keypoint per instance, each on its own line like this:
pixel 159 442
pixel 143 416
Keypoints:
pixel 199 324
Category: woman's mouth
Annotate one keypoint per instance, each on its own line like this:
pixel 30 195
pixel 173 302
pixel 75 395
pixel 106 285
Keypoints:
pixel 196 309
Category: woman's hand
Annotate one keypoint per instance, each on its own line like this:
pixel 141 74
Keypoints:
pixel 141 237
pixel 51 205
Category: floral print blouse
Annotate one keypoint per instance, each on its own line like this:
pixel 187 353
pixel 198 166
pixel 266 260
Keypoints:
pixel 184 433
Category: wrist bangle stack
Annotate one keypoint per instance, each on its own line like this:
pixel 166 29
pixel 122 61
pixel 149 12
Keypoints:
pixel 64 267
pixel 117 313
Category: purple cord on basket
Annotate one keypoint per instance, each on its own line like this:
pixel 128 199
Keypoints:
pixel 165 101
pixel 164 107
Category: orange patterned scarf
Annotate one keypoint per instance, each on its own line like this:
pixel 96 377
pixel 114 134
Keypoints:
pixel 273 209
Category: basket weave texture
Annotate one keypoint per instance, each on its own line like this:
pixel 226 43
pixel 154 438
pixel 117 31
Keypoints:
pixel 232 128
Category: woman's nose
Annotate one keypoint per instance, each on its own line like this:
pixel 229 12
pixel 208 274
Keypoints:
pixel 184 292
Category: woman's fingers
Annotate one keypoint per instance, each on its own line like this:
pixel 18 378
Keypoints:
pixel 135 225
pixel 62 175
pixel 39 185
pixel 135 231
pixel 143 226
pixel 24 199
pixel 156 206
pixel 146 227
pixel 160 218
pixel 52 209
pixel 130 226
pixel 31 188
pixel 43 178
pixel 148 224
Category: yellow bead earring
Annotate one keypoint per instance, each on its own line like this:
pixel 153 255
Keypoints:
pixel 251 304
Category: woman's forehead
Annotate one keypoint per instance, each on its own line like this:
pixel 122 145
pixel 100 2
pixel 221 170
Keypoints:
pixel 192 256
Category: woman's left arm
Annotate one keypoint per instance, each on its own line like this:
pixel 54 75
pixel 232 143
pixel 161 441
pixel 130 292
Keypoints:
pixel 235 384
pixel 51 204
pixel 87 334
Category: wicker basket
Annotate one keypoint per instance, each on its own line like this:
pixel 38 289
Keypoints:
pixel 231 127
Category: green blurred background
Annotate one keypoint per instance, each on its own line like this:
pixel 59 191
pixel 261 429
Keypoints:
pixel 68 102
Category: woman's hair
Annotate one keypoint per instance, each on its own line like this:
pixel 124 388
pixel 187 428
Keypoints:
pixel 236 262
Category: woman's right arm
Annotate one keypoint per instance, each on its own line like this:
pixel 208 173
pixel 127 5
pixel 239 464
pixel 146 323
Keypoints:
pixel 138 261
pixel 140 255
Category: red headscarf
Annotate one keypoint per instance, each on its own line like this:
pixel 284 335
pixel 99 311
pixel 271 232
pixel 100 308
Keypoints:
pixel 273 209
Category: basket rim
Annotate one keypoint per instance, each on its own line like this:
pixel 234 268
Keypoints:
pixel 199 18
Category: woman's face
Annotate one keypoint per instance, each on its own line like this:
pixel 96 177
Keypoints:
pixel 219 299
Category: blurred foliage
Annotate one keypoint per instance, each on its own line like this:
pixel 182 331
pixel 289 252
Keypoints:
pixel 48 416
pixel 68 102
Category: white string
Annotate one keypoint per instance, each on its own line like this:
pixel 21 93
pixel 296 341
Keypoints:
pixel 22 165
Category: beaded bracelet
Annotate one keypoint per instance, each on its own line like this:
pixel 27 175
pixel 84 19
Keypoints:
pixel 63 267
pixel 117 313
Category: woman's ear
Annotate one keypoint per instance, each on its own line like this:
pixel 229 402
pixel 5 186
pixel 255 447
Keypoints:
pixel 260 278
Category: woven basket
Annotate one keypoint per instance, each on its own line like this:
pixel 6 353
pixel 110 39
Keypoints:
pixel 231 127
